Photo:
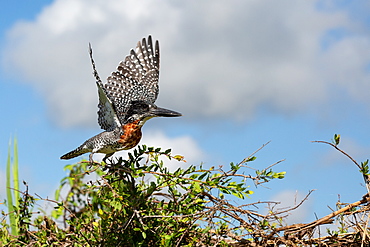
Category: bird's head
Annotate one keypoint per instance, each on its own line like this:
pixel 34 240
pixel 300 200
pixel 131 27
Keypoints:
pixel 140 110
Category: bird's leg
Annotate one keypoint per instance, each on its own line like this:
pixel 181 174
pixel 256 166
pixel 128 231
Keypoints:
pixel 91 158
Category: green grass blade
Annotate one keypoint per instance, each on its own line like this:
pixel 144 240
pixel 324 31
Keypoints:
pixel 12 216
pixel 15 173
pixel 16 192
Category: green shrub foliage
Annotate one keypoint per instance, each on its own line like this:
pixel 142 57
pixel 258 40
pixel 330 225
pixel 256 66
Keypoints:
pixel 140 202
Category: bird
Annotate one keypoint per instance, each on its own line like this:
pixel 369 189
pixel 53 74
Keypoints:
pixel 126 102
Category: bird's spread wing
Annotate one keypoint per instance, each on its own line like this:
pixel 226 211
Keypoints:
pixel 107 117
pixel 136 78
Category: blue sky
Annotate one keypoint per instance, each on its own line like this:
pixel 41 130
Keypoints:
pixel 242 73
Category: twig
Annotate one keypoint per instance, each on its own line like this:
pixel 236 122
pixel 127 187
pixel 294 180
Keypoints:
pixel 340 150
pixel 365 176
pixel 245 159
pixel 296 206
pixel 327 218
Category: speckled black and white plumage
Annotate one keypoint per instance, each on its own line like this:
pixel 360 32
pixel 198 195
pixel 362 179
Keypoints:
pixel 126 102
pixel 136 79
pixel 105 142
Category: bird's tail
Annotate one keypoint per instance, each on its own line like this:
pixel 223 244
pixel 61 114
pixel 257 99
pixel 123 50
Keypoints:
pixel 77 152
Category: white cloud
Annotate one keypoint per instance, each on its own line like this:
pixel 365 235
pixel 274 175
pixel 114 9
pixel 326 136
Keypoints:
pixel 183 145
pixel 345 63
pixel 218 58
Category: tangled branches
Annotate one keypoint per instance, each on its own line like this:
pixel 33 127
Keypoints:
pixel 140 202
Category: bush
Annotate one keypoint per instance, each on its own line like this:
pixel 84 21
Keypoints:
pixel 140 202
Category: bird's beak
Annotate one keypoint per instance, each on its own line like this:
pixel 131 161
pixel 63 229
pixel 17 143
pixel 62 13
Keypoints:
pixel 161 112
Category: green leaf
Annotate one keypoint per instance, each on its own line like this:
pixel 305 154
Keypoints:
pixel 57 194
pixel 196 187
pixel 179 157
pixel 365 167
pixel 234 167
pixel 279 175
pixel 203 175
pixel 238 194
pixel 336 139
pixel 251 159
pixel 221 195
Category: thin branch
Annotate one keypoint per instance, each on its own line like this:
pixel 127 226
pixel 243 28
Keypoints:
pixel 296 206
pixel 365 176
pixel 328 218
pixel 340 150
pixel 245 159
